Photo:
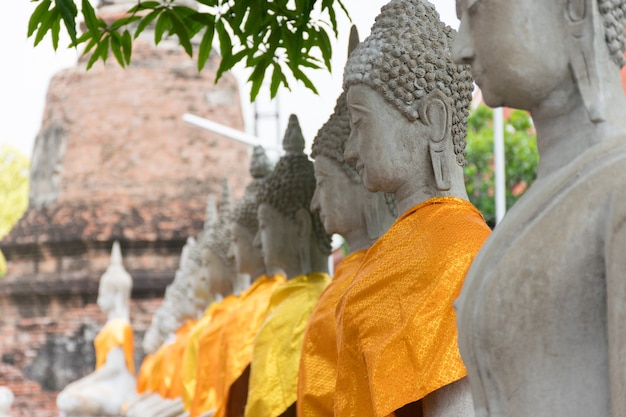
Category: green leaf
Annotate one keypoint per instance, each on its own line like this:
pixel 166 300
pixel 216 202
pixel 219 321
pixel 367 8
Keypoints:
pixel 116 47
pixel 183 11
pixel 104 43
pixel 205 47
pixel 37 16
pixel 181 31
pixel 94 57
pixel 276 79
pixel 226 48
pixel 209 3
pixel 92 42
pixel 257 78
pixel 91 21
pixel 325 47
pixel 68 11
pixel 146 20
pixel 127 46
pixel 124 21
pixel 82 38
pixel 46 24
pixel 54 31
pixel 299 75
pixel 163 23
pixel 145 5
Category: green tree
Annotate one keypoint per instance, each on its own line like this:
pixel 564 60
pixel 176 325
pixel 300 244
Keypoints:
pixel 280 37
pixel 14 174
pixel 521 158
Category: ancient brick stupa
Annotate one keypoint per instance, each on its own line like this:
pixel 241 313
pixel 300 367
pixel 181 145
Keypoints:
pixel 113 161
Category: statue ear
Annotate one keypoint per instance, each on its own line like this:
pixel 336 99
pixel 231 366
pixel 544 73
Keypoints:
pixel 304 225
pixel 435 115
pixel 583 57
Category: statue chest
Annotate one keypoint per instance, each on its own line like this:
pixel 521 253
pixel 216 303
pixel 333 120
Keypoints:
pixel 532 312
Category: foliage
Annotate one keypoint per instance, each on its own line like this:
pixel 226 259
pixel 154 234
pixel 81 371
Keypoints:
pixel 279 36
pixel 14 173
pixel 521 158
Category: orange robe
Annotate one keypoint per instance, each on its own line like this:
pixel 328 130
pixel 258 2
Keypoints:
pixel 318 364
pixel 238 338
pixel 190 357
pixel 204 398
pixel 116 333
pixel 170 378
pixel 156 369
pixel 396 325
pixel 145 373
pixel 276 358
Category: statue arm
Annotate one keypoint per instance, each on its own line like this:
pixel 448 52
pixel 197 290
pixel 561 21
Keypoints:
pixel 453 400
pixel 615 261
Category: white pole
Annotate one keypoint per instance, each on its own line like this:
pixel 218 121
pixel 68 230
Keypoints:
pixel 223 130
pixel 499 162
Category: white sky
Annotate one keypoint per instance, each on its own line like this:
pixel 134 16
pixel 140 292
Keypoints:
pixel 26 71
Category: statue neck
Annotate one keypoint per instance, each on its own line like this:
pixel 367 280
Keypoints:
pixel 415 190
pixel 565 130
pixel 242 282
pixel 258 273
pixel 358 240
pixel 319 260
pixel 119 312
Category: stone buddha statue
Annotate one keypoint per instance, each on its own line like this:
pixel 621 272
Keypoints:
pixel 295 245
pixel 242 325
pixel 361 217
pixel 105 390
pixel 6 400
pixel 161 373
pixel 396 325
pixel 188 272
pixel 541 315
pixel 224 280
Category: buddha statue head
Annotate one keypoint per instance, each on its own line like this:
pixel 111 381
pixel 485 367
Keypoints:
pixel 248 258
pixel 408 104
pixel 535 55
pixel 342 201
pixel 115 287
pixel 217 271
pixel 292 238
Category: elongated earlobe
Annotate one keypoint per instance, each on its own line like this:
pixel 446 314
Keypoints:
pixel 434 113
pixel 582 56
pixel 304 224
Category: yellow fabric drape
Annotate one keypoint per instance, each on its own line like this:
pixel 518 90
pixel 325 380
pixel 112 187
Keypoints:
pixel 204 398
pixel 238 338
pixel 116 333
pixel 278 344
pixel 318 364
pixel 190 357
pixel 170 378
pixel 145 373
pixel 396 328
